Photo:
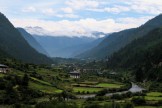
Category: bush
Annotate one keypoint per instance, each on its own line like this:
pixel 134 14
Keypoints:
pixel 102 92
pixel 92 105
pixel 128 105
pixel 116 96
pixel 160 102
pixel 56 104
pixel 83 92
pixel 112 105
pixel 139 100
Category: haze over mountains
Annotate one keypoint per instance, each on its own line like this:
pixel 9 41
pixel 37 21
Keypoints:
pixel 65 46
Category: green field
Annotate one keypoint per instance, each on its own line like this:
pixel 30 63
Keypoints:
pixel 44 88
pixel 148 107
pixel 2 75
pixel 107 85
pixel 89 83
pixel 86 89
pixel 40 81
pixel 156 96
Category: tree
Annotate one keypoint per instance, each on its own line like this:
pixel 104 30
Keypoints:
pixel 25 80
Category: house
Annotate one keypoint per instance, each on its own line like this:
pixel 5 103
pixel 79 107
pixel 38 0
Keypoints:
pixel 4 68
pixel 74 74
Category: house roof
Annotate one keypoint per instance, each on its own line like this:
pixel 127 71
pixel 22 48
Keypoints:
pixel 2 65
pixel 74 72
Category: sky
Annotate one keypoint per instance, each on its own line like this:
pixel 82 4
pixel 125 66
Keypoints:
pixel 79 17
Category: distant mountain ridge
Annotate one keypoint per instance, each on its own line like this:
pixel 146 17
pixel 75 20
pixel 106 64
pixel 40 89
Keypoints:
pixel 118 40
pixel 13 44
pixel 32 41
pixel 66 47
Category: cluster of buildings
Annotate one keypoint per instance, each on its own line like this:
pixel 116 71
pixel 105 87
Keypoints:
pixel 4 68
pixel 74 74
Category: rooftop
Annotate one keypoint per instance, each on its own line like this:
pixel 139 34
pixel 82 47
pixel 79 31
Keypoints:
pixel 2 65
pixel 74 72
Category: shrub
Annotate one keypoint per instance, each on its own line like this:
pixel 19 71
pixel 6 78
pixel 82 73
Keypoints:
pixel 129 105
pixel 102 92
pixel 138 100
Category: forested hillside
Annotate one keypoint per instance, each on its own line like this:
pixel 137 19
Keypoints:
pixel 144 55
pixel 118 40
pixel 12 43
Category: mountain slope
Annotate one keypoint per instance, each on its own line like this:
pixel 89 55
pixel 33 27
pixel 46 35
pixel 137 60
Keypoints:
pixel 143 55
pixel 12 43
pixel 32 42
pixel 118 40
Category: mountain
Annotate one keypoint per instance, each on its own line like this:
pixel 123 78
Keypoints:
pixel 143 55
pixel 13 44
pixel 118 40
pixel 64 46
pixel 32 42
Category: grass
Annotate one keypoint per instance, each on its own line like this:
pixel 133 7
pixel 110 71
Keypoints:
pixel 89 83
pixel 153 98
pixel 44 88
pixel 40 81
pixel 86 89
pixel 147 107
pixel 156 96
pixel 107 85
pixel 2 75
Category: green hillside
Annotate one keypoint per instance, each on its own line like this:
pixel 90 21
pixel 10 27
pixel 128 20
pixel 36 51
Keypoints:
pixel 118 40
pixel 12 43
pixel 144 55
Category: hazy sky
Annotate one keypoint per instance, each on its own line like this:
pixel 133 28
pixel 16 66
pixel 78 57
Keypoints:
pixel 80 17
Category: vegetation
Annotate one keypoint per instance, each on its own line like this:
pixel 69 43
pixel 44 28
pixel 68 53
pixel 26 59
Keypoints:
pixel 115 41
pixel 143 56
pixel 14 45
pixel 109 85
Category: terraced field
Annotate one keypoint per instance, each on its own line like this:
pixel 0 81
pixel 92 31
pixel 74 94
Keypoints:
pixel 107 85
pixel 154 96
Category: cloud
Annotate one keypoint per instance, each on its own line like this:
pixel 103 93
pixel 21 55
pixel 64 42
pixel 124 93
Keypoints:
pixel 146 6
pixel 67 10
pixel 82 4
pixel 137 6
pixel 67 16
pixel 49 11
pixel 115 9
pixel 82 27
pixel 29 9
pixel 70 17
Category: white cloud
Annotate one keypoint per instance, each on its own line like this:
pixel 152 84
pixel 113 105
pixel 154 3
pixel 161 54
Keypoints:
pixel 67 15
pixel 114 9
pixel 83 26
pixel 49 11
pixel 82 4
pixel 29 9
pixel 117 9
pixel 146 6
pixel 138 6
pixel 67 10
